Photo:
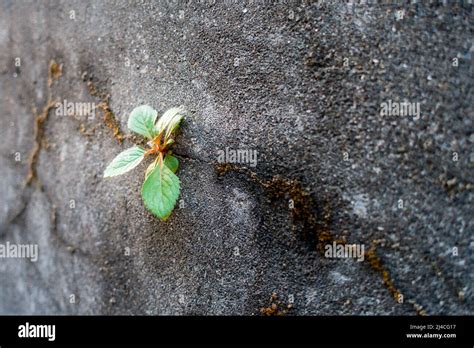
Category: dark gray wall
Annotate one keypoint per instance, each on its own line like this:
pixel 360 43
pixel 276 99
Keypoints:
pixel 261 76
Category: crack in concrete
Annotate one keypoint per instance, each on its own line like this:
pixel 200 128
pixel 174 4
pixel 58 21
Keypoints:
pixel 108 115
pixel 324 236
pixel 54 73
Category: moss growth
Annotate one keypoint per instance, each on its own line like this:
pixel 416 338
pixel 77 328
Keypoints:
pixel 108 115
pixel 315 226
pixel 38 134
pixel 376 263
pixel 85 132
pixel 314 220
pixel 54 72
pixel 275 307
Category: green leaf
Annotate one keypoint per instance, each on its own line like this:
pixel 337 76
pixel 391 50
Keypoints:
pixel 125 161
pixel 142 121
pixel 160 191
pixel 172 163
pixel 170 121
pixel 150 169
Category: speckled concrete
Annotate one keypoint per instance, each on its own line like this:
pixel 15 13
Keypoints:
pixel 300 84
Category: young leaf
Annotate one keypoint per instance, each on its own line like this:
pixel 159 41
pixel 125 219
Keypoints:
pixel 125 161
pixel 160 191
pixel 150 169
pixel 142 121
pixel 172 163
pixel 170 121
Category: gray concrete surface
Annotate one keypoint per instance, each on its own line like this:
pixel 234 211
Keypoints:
pixel 300 83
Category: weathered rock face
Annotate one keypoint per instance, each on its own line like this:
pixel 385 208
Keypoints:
pixel 304 86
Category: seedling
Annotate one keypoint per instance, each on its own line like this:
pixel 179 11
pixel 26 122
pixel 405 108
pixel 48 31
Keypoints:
pixel 160 190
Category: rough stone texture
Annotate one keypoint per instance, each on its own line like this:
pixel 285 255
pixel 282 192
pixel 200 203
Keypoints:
pixel 266 77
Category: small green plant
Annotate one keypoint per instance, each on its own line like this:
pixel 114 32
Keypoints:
pixel 160 190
